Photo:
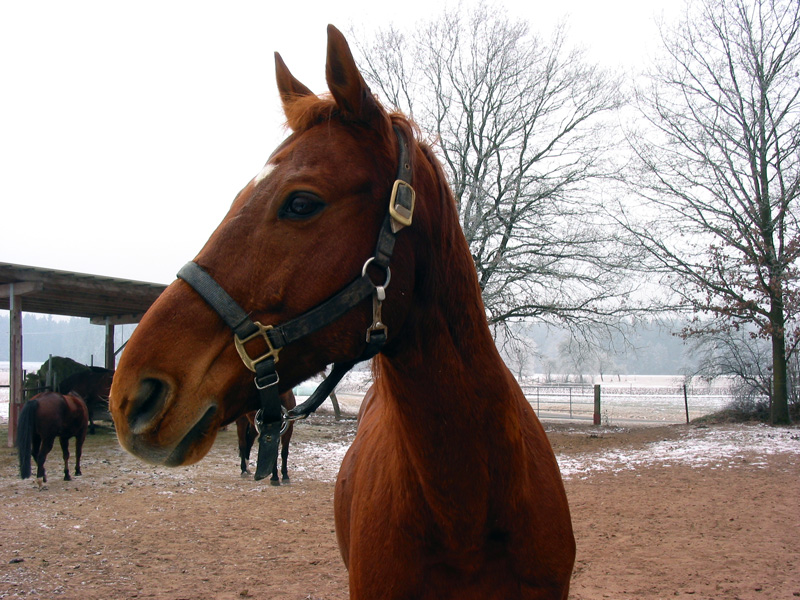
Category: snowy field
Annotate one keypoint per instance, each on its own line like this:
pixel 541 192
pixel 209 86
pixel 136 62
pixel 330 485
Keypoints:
pixel 30 367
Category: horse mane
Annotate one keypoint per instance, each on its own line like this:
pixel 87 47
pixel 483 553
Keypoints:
pixel 451 243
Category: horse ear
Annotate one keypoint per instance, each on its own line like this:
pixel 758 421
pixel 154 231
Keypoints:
pixel 345 82
pixel 289 88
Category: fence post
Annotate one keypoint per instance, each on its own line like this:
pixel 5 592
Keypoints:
pixel 596 416
pixel 570 403
pixel 686 403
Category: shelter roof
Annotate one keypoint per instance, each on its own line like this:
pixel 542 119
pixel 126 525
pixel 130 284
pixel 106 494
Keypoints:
pixel 72 294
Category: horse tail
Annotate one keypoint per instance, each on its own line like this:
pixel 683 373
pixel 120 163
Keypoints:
pixel 27 421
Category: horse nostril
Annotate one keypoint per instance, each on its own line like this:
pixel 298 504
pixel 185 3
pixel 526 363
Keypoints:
pixel 147 404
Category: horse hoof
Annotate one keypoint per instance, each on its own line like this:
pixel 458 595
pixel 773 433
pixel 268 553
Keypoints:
pixel 286 481
pixel 78 473
pixel 40 483
pixel 274 482
pixel 245 474
pixel 67 477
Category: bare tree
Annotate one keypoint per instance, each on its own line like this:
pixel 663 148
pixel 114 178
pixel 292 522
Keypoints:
pixel 738 354
pixel 524 127
pixel 719 158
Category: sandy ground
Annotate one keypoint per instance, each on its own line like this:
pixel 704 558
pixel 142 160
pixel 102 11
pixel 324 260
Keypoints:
pixel 659 512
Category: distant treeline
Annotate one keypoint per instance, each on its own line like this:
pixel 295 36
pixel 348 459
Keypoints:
pixel 43 335
pixel 648 349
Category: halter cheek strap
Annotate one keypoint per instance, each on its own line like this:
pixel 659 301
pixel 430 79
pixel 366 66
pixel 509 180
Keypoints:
pixel 272 419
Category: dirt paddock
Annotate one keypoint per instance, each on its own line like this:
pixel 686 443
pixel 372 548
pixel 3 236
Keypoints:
pixel 659 512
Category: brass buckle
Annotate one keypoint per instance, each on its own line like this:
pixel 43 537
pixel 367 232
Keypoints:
pixel 251 363
pixel 399 213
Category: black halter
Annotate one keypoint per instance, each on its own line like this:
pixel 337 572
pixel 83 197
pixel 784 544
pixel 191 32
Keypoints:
pixel 272 419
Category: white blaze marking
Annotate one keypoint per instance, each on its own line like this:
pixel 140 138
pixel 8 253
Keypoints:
pixel 268 168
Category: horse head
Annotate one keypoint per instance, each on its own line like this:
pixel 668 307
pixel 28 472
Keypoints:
pixel 298 233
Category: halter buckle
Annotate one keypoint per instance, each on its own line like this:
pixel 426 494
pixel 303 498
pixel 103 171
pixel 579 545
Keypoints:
pixel 401 204
pixel 249 362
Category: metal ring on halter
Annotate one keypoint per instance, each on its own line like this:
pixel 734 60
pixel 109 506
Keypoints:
pixel 285 420
pixel 388 272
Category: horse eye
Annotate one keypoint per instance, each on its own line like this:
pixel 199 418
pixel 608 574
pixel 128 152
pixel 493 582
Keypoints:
pixel 301 205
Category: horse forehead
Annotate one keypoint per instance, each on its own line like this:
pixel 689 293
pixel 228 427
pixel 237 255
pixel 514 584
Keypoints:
pixel 326 156
pixel 330 149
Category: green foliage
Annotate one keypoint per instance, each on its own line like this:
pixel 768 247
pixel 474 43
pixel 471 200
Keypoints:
pixel 58 367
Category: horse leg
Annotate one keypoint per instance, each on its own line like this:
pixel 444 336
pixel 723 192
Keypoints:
pixel 284 458
pixel 79 439
pixel 274 479
pixel 65 453
pixel 246 435
pixel 35 446
pixel 44 450
pixel 285 453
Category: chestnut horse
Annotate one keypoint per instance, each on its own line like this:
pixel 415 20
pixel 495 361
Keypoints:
pixel 44 418
pixel 246 435
pixel 450 488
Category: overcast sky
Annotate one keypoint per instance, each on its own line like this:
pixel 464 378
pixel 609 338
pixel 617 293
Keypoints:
pixel 126 128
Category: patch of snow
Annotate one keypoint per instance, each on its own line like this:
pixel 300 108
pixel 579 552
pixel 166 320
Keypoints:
pixel 319 461
pixel 711 447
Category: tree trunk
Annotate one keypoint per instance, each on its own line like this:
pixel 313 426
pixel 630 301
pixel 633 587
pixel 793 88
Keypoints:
pixel 780 397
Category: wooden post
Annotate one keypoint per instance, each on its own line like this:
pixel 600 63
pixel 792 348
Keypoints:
pixel 110 355
pixel 14 292
pixel 686 403
pixel 596 415
pixel 15 354
pixel 335 402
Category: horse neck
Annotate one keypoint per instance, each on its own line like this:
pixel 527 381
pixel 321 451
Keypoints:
pixel 446 363
pixel 449 403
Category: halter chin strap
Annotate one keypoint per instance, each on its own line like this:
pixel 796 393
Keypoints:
pixel 272 419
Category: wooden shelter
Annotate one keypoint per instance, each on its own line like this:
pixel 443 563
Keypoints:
pixel 103 300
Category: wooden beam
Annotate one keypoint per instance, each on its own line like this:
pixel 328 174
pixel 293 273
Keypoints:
pixel 117 319
pixel 90 283
pixel 19 288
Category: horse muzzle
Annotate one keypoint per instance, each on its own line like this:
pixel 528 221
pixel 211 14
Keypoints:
pixel 154 427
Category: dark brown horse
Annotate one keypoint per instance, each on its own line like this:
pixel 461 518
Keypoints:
pixel 94 386
pixel 44 418
pixel 246 434
pixel 451 488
